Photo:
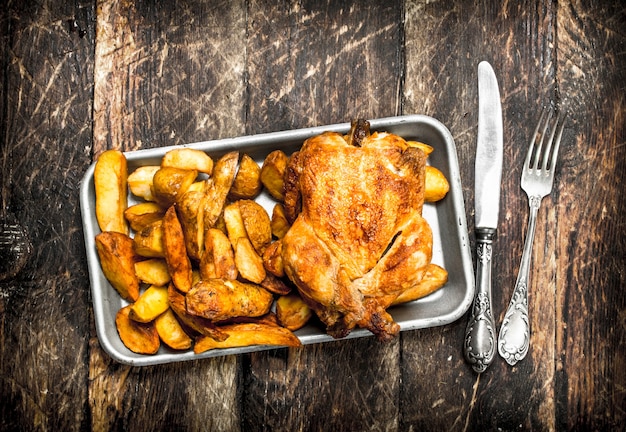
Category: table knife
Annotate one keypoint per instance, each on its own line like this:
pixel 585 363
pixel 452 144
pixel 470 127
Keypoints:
pixel 480 335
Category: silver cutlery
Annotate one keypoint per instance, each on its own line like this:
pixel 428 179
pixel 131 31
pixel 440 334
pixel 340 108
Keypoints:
pixel 480 334
pixel 537 180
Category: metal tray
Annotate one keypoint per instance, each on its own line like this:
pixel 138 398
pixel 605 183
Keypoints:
pixel 447 219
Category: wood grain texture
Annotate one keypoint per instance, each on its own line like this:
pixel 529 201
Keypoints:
pixel 590 243
pixel 313 63
pixel 168 73
pixel 148 74
pixel 47 81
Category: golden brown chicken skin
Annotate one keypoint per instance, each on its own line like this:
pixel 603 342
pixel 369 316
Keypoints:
pixel 358 239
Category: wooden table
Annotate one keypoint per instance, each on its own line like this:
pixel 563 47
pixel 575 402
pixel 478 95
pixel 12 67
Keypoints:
pixel 81 77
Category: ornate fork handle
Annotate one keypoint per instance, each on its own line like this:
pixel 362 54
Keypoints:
pixel 514 337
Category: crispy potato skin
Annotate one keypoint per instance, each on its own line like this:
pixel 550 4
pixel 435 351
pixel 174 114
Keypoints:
pixel 190 211
pixel 178 263
pixel 434 278
pixel 149 241
pixel 292 312
pixel 141 215
pixel 171 183
pixel 273 259
pixel 249 263
pixel 224 174
pixel 110 183
pixel 247 183
pixel 150 304
pixel 188 159
pixel 140 182
pixel 218 260
pixel 117 259
pixel 247 334
pixel 171 332
pixel 279 222
pixel 275 284
pixel 153 272
pixel 436 185
pixel 220 299
pixel 257 224
pixel 234 223
pixel 273 172
pixel 140 338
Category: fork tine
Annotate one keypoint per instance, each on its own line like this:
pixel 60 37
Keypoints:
pixel 531 147
pixel 556 143
pixel 542 141
pixel 549 147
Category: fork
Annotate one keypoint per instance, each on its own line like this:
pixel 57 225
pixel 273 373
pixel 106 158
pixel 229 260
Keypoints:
pixel 537 180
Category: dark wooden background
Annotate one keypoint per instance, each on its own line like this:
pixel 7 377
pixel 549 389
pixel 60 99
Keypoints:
pixel 140 74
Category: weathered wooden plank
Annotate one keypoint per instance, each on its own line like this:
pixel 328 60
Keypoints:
pixel 45 109
pixel 590 255
pixel 444 44
pixel 166 73
pixel 314 63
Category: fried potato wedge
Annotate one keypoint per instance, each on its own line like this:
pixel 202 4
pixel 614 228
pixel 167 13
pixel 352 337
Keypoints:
pixel 117 259
pixel 140 182
pixel 257 224
pixel 110 181
pixel 275 285
pixel 272 173
pixel 434 278
pixel 188 159
pixel 437 186
pixel 273 259
pixel 150 304
pixel 149 241
pixel 171 332
pixel 153 272
pixel 169 184
pixel 292 203
pixel 279 223
pixel 178 263
pixel 191 214
pixel 234 222
pixel 249 263
pixel 268 319
pixel 292 312
pixel 143 214
pixel 247 334
pixel 220 299
pixel 218 260
pixel 196 323
pixel 207 266
pixel 140 338
pixel 247 183
pixel 224 173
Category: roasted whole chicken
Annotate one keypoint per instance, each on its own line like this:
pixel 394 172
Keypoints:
pixel 358 238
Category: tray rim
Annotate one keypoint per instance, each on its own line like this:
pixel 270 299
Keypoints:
pixel 226 144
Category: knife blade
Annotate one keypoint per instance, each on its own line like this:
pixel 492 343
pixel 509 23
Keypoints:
pixel 480 335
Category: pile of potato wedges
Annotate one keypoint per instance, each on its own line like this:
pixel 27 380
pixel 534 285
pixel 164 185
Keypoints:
pixel 195 258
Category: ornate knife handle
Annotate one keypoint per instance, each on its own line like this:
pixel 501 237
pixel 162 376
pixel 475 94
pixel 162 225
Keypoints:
pixel 480 335
pixel 514 337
